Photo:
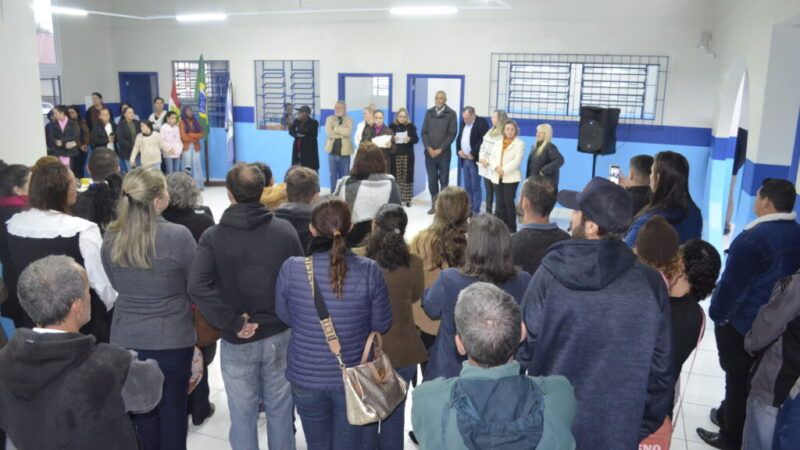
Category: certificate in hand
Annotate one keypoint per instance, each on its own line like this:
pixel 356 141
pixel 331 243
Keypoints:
pixel 401 137
pixel 384 141
pixel 485 172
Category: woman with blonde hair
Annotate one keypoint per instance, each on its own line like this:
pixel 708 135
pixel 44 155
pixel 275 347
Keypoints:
pixel 504 163
pixel 545 159
pixel 401 157
pixel 364 125
pixel 440 246
pixel 499 117
pixel 148 261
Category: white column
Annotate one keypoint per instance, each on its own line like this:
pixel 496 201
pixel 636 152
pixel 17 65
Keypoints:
pixel 21 124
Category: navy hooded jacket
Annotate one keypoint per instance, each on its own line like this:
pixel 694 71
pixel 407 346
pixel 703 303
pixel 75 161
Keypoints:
pixel 602 319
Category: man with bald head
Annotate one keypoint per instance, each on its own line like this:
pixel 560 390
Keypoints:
pixel 438 132
pixel 60 388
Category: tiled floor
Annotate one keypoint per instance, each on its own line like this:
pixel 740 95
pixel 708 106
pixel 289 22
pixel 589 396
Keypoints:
pixel 702 377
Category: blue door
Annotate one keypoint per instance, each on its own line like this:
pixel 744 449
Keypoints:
pixel 138 89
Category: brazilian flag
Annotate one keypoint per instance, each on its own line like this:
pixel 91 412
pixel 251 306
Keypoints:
pixel 200 95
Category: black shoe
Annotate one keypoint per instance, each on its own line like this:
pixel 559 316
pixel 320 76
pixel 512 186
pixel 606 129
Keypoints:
pixel 197 421
pixel 412 437
pixel 408 204
pixel 431 211
pixel 714 416
pixel 713 439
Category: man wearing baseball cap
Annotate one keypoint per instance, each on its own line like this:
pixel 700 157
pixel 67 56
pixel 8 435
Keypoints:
pixel 601 318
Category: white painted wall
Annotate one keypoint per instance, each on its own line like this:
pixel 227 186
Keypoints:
pixel 743 39
pixel 376 42
pixel 21 135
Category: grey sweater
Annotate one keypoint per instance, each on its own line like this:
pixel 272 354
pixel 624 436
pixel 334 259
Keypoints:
pixel 153 310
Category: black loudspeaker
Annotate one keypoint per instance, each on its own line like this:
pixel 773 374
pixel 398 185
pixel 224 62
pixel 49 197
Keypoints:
pixel 598 130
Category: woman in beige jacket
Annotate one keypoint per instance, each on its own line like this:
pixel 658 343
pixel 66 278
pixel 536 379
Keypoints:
pixel 504 163
pixel 150 145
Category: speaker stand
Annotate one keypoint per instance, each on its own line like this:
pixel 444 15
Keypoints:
pixel 594 166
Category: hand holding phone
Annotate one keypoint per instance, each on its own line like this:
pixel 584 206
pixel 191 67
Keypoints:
pixel 613 173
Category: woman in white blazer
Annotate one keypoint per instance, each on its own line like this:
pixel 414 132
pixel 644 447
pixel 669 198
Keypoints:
pixel 504 162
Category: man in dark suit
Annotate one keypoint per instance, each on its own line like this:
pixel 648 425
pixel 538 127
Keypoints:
pixel 468 144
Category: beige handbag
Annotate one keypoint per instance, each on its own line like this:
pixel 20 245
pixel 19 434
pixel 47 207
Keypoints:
pixel 372 389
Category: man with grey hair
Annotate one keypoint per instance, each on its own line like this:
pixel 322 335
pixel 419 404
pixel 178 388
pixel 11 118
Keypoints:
pixel 468 145
pixel 339 142
pixel 438 132
pixel 490 404
pixel 59 388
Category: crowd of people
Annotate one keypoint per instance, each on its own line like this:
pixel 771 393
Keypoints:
pixel 492 151
pixel 525 335
pixel 164 140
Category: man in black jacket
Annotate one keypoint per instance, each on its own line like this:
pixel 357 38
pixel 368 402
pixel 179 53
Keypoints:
pixel 438 132
pixel 59 388
pixel 302 190
pixel 638 181
pixel 468 146
pixel 233 283
pixel 536 233
pixel 305 149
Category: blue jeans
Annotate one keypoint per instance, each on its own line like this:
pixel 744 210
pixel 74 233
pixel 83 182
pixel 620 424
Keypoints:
pixel 759 426
pixel 472 184
pixel 172 164
pixel 124 166
pixel 192 164
pixel 388 435
pixel 339 167
pixel 165 427
pixel 323 413
pixel 438 173
pixel 256 373
pixel 787 425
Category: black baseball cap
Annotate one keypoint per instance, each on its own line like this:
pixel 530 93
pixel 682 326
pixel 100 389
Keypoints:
pixel 603 202
pixel 305 109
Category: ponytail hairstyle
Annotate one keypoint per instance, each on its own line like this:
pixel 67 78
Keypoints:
pixel 133 233
pixel 332 221
pixel 386 244
pixel 449 228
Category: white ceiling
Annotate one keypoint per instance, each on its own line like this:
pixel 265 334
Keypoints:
pixel 161 8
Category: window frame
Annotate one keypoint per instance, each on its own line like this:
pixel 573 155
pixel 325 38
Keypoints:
pixel 216 95
pixel 640 97
pixel 289 84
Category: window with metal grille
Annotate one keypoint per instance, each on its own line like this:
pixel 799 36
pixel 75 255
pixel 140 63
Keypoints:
pixel 217 75
pixel 282 82
pixel 555 86
pixel 380 86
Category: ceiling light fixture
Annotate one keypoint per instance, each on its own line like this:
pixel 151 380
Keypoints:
pixel 423 10
pixel 68 11
pixel 211 17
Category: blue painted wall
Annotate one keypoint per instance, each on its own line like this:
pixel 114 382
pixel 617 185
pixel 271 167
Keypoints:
pixel 274 148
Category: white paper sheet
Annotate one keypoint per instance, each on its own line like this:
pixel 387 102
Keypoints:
pixel 384 141
pixel 484 171
pixel 401 137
